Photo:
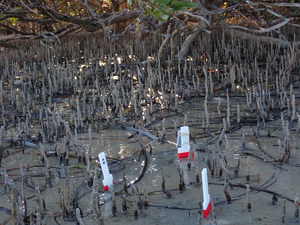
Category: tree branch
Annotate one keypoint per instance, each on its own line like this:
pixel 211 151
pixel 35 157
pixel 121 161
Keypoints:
pixel 15 30
pixel 28 19
pixel 89 23
pixel 185 46
pixel 27 7
pixel 244 35
pixel 60 33
pixel 164 44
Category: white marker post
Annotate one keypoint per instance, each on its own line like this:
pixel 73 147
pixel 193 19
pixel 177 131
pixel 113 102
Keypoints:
pixel 183 142
pixel 206 196
pixel 108 181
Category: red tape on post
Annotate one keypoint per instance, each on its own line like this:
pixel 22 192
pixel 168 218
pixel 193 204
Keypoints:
pixel 207 210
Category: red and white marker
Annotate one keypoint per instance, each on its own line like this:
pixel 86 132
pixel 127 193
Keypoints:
pixel 206 196
pixel 108 181
pixel 183 142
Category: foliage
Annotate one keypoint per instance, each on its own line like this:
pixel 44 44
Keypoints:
pixel 50 20
pixel 163 9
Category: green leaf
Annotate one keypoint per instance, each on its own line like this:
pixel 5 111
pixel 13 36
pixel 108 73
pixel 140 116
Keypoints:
pixel 160 7
pixel 129 3
pixel 146 12
pixel 190 4
pixel 165 16
pixel 157 13
pixel 176 3
pixel 161 19
pixel 178 8
pixel 168 11
pixel 162 2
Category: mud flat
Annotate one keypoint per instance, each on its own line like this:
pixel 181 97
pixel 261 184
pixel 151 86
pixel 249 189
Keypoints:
pixel 62 106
